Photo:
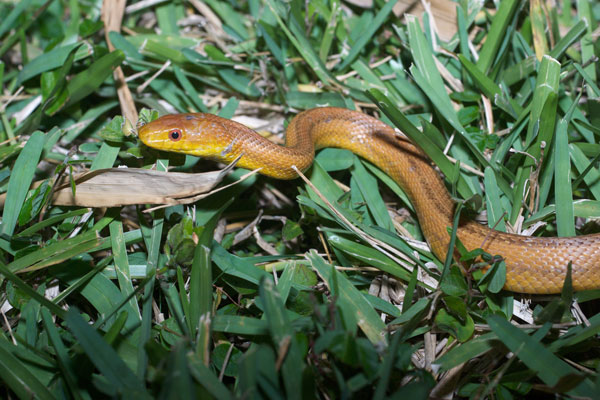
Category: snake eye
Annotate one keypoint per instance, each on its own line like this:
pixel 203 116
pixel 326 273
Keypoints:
pixel 175 135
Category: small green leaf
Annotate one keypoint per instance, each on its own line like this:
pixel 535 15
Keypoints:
pixel 291 230
pixel 462 330
pixel 180 244
pixel 34 204
pixel 454 283
pixel 89 27
pixel 147 116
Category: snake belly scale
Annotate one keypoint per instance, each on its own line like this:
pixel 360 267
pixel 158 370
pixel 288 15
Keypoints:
pixel 533 264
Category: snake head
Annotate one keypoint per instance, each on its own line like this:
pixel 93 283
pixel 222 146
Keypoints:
pixel 198 134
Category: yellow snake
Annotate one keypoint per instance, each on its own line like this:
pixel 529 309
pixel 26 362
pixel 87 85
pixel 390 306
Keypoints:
pixel 533 264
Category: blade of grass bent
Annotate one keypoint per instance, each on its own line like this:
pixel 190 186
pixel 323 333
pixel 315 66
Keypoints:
pixel 368 187
pixel 329 33
pixel 29 291
pixel 56 252
pixel 9 20
pixel 489 88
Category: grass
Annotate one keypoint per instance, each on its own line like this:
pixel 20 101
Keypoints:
pixel 296 289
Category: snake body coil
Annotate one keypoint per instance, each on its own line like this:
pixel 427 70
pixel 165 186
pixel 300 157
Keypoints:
pixel 533 264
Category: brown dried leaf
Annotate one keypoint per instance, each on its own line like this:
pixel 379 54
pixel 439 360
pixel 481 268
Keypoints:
pixel 361 3
pixel 114 187
pixel 443 13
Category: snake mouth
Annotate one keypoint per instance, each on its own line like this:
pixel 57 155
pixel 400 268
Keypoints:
pixel 150 139
pixel 142 133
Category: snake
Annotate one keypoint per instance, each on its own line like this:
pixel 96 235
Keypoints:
pixel 536 265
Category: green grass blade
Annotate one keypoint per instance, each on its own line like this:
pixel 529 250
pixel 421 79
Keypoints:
pixel 201 293
pixel 122 270
pixel 178 381
pixel 284 284
pixel 51 221
pixel 328 36
pixel 541 125
pixel 9 20
pixel 495 211
pixel 590 80
pixel 53 59
pixel 536 356
pixel 586 169
pixel 426 144
pixel 367 36
pixel 489 88
pixel 370 192
pixel 350 300
pixel 584 10
pixel 239 325
pixel 496 34
pixel 31 293
pixel 87 82
pixel 189 89
pixel 64 361
pixel 574 34
pixel 56 252
pixel 565 221
pixel 466 351
pixel 296 36
pixel 20 180
pixel 428 78
pixel 283 338
pixel 207 379
pixel 104 357
pixel 369 256
pixel 19 379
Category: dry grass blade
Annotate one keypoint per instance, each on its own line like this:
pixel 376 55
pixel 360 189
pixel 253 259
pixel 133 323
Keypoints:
pixel 114 187
pixel 112 16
